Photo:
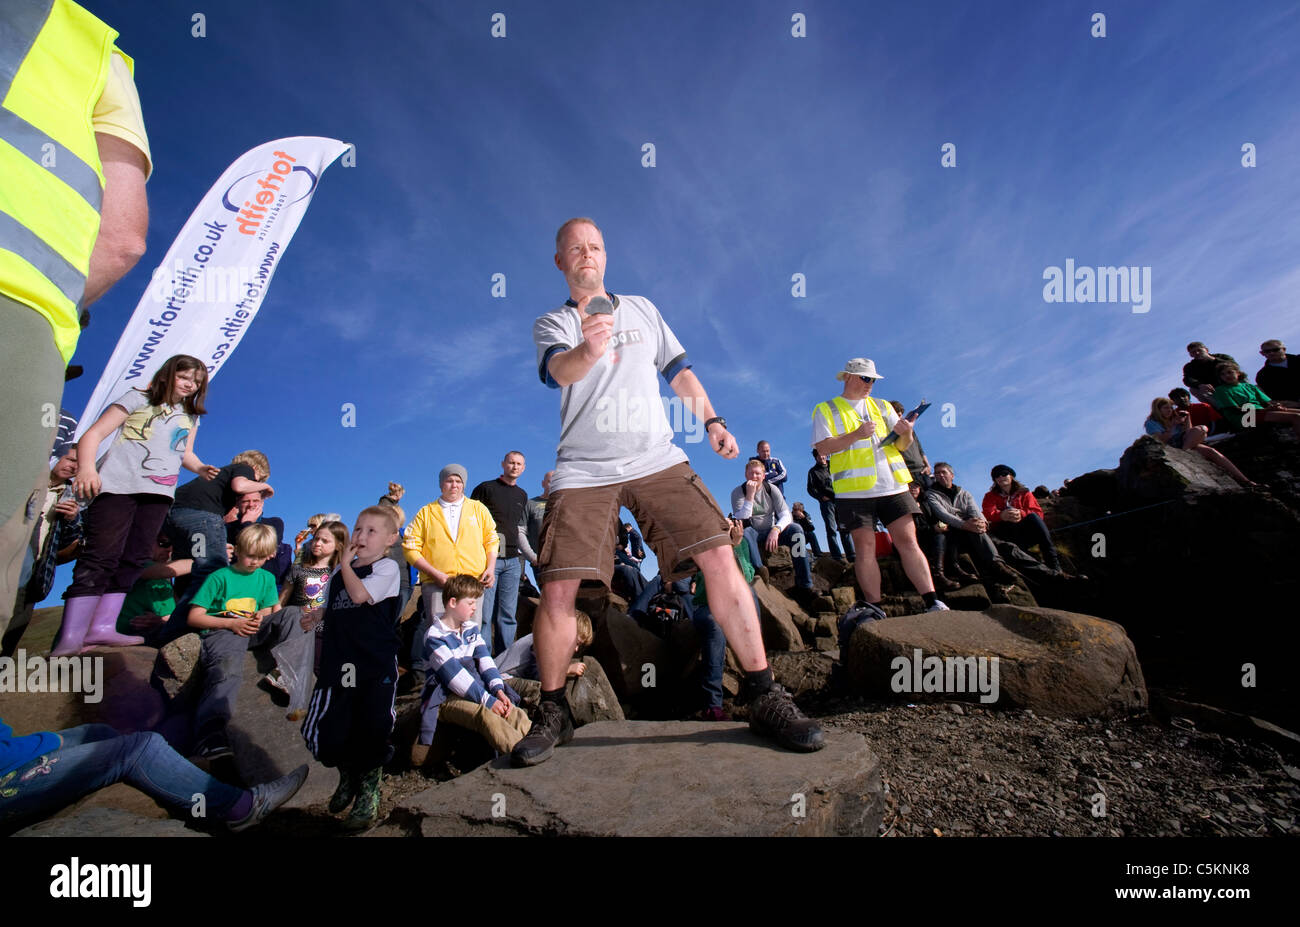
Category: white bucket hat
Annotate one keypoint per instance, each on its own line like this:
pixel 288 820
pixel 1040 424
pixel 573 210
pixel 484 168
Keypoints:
pixel 859 367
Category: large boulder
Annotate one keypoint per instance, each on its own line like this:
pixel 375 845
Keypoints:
pixel 105 685
pixel 173 671
pixel 658 778
pixel 776 615
pixel 626 651
pixel 1152 470
pixel 590 695
pixel 1056 663
pixel 803 673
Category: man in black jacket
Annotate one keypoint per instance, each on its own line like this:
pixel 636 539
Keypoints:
pixel 819 487
pixel 1279 378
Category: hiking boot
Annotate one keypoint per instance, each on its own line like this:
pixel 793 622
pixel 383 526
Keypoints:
pixel 1004 573
pixel 774 715
pixel 938 607
pixel 553 727
pixel 346 791
pixel 269 796
pixel 966 577
pixel 943 583
pixel 365 813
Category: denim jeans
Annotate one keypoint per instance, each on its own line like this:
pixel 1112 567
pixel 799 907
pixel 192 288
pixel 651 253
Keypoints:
pixel 499 603
pixel 184 527
pixel 713 651
pixel 94 756
pixel 832 527
pixel 1027 532
pixel 792 537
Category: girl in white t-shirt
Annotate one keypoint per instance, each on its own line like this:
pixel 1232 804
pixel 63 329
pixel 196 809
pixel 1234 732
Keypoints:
pixel 130 490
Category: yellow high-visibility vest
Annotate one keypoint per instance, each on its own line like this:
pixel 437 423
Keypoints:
pixel 54 61
pixel 854 468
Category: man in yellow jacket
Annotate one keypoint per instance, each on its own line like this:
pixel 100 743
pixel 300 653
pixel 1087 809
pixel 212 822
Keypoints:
pixel 450 535
pixel 74 157
pixel 870 477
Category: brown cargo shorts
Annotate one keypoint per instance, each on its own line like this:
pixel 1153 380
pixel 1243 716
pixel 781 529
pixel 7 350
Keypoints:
pixel 675 510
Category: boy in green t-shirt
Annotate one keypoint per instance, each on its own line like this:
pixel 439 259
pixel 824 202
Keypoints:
pixel 233 610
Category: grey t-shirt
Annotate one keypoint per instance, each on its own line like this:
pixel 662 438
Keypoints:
pixel 147 453
pixel 612 422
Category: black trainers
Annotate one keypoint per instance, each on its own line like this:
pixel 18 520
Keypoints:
pixel 553 727
pixel 213 746
pixel 774 715
pixel 271 795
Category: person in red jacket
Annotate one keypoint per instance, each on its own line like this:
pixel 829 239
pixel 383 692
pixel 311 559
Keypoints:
pixel 1014 515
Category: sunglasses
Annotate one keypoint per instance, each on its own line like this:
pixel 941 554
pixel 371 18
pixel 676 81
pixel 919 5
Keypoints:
pixel 867 380
pixel 1271 350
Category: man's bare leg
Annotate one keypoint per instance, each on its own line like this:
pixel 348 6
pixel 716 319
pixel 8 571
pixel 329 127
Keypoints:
pixel 732 606
pixel 772 712
pixel 555 631
pixel 864 564
pixel 902 531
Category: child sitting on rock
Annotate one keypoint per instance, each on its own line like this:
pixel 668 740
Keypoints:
pixel 520 660
pixel 350 717
pixel 233 610
pixel 464 685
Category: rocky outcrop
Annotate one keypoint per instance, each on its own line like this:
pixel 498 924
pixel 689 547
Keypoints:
pixel 1055 663
pixel 660 778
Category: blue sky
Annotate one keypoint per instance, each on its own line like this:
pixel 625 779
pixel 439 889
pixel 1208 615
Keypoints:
pixel 774 156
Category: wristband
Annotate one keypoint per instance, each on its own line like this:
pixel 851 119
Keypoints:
pixel 718 419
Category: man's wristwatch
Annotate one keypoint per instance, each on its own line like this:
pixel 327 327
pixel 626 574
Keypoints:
pixel 716 419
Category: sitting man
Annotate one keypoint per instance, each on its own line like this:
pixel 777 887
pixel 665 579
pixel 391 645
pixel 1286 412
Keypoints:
pixel 1198 413
pixel 953 506
pixel 1200 370
pixel 1280 375
pixel 761 507
pixel 1015 515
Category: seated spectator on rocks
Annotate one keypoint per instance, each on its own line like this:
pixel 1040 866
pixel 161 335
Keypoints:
pixel 821 488
pixel 55 540
pixel 1234 397
pixel 713 643
pixel 305 535
pixel 628 554
pixel 776 475
pixel 801 518
pixel 150 602
pixel 1200 370
pixel 249 511
pixel 1172 426
pixel 914 455
pixel 519 661
pixel 234 609
pixel 1200 413
pixel 1280 375
pixel 932 534
pixel 464 685
pixel 44 772
pixel 967 528
pixel 1014 515
pixel 763 508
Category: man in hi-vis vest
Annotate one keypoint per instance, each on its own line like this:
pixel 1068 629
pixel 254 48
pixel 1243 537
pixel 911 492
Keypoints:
pixel 870 480
pixel 73 215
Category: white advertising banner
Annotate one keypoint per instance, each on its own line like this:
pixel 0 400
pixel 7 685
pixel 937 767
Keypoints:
pixel 210 284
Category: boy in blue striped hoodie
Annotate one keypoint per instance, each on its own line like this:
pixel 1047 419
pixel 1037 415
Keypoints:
pixel 464 685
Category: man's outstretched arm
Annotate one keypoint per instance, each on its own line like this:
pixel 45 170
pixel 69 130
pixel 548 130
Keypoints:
pixel 691 391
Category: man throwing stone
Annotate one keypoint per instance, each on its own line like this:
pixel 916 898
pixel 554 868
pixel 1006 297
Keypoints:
pixel 611 358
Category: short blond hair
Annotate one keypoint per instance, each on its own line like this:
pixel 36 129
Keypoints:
pixel 388 513
pixel 585 635
pixel 256 541
pixel 570 223
pixel 257 460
